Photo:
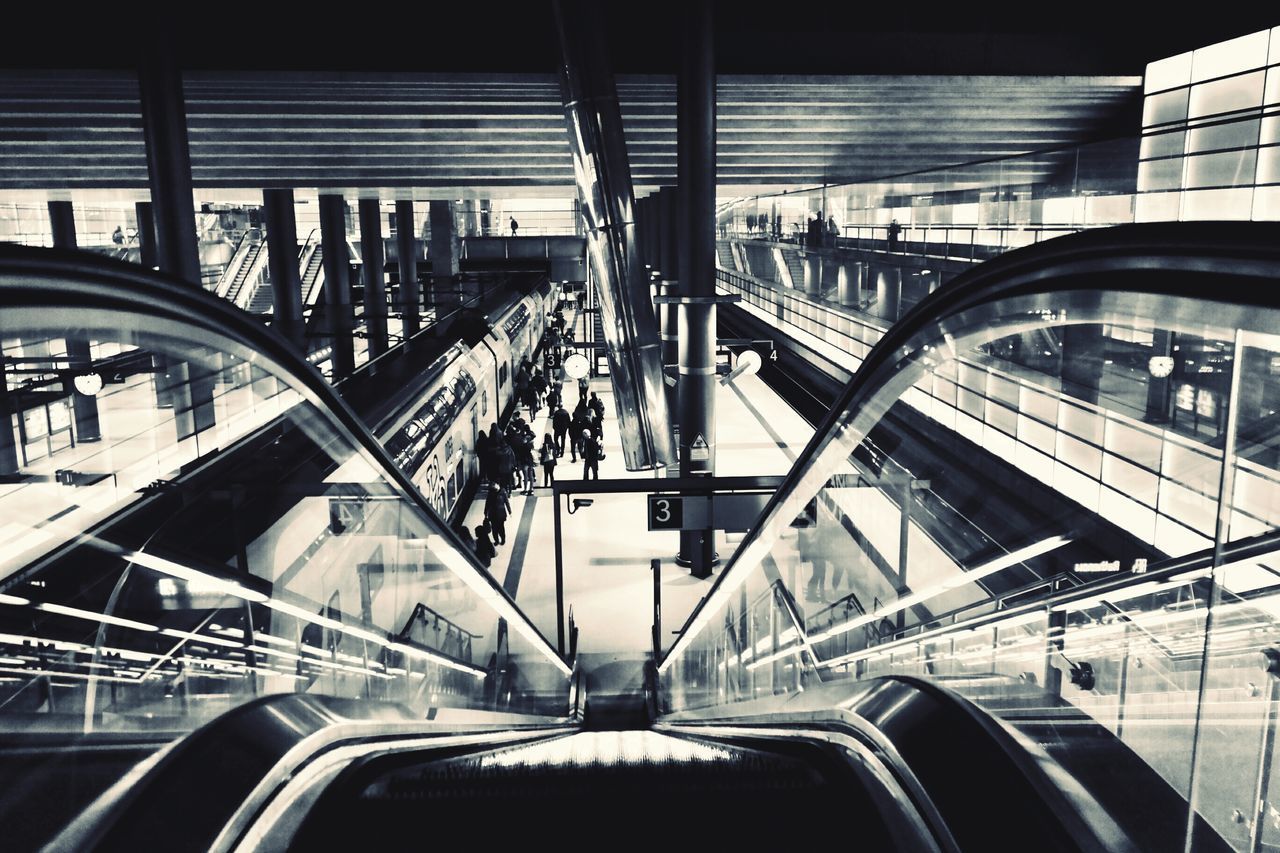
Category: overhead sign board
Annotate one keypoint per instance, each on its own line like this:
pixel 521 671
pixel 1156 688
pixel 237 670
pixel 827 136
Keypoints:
pixel 734 511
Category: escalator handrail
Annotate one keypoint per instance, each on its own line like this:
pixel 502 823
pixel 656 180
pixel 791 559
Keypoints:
pixel 1073 806
pixel 1245 250
pixel 282 734
pixel 40 276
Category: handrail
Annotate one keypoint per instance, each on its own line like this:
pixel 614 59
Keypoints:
pixel 37 276
pixel 1241 252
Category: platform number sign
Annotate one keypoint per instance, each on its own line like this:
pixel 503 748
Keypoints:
pixel 666 512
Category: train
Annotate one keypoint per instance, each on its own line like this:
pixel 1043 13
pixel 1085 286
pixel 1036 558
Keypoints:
pixel 432 437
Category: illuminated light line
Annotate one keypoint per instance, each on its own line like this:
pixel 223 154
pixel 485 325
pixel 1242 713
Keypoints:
pixel 177 570
pixel 204 638
pixel 91 616
pixel 414 651
pixel 971 576
pixel 61 674
pixel 15 600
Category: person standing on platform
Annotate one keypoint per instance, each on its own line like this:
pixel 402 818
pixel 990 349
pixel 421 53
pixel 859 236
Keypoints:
pixel 504 465
pixel 485 552
pixel 553 396
pixel 547 453
pixel 560 422
pixel 515 226
pixel 590 456
pixel 496 509
pixel 894 230
pixel 524 455
pixel 464 534
pixel 583 385
pixel 577 426
pixel 596 405
pixel 117 236
pixel 539 383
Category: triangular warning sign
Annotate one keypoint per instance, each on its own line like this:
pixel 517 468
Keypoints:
pixel 699 443
pixel 698 450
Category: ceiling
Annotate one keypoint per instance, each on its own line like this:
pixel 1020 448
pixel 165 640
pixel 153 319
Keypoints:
pixel 417 101
pixel 450 132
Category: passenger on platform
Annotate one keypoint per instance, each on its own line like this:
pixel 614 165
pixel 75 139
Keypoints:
pixel 553 396
pixel 596 405
pixel 504 466
pixel 539 383
pixel 832 231
pixel 464 534
pixel 483 458
pixel 547 454
pixel 497 506
pixel 590 456
pixel 894 230
pixel 577 426
pixel 485 552
pixel 515 226
pixel 117 236
pixel 530 399
pixel 524 455
pixel 557 320
pixel 560 422
pixel 583 385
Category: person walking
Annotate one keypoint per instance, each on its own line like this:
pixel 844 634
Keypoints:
pixel 515 226
pixel 596 405
pixel 547 453
pixel 485 552
pixel 590 456
pixel 524 455
pixel 560 421
pixel 496 509
pixel 583 385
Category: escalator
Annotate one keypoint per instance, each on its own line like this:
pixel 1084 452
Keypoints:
pixel 225 658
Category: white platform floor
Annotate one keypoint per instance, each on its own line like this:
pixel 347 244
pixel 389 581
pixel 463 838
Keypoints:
pixel 607 548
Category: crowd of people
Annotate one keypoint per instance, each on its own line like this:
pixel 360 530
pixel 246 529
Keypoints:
pixel 509 457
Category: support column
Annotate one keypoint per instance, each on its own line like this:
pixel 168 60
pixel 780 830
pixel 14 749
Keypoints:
pixel 888 292
pixel 407 261
pixel 80 360
pixel 669 263
pixel 374 276
pixel 851 282
pixel 444 258
pixel 337 283
pixel 9 461
pixel 813 275
pixel 282 260
pixel 188 389
pixel 696 164
pixel 164 128
pixel 146 234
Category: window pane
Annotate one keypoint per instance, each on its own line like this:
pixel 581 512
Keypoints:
pixel 1228 57
pixel 1167 73
pixel 1164 108
pixel 1236 134
pixel 1225 169
pixel 1160 174
pixel 1221 96
pixel 1166 144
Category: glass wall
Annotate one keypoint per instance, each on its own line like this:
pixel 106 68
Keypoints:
pixel 897 550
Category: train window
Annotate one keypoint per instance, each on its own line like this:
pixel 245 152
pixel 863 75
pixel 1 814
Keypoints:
pixel 484 404
pixel 502 375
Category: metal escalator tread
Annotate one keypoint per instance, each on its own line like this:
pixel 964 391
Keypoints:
pixel 557 791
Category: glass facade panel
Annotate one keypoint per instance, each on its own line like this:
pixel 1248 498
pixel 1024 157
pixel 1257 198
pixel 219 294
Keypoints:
pixel 1165 108
pixel 1230 57
pixel 1160 174
pixel 1228 95
pixel 1224 169
pixel 1160 145
pixel 1235 134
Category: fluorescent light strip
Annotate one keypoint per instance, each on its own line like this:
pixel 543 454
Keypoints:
pixel 15 600
pixel 971 576
pixel 177 570
pixel 204 638
pixel 90 616
pixel 414 651
pixel 60 674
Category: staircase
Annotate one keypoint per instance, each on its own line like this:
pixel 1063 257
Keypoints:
pixel 313 276
pixel 724 255
pixel 262 300
pixel 243 272
pixel 795 266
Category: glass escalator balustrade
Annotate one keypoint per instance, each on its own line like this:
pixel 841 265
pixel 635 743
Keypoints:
pixel 1046 558
pixel 148 584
